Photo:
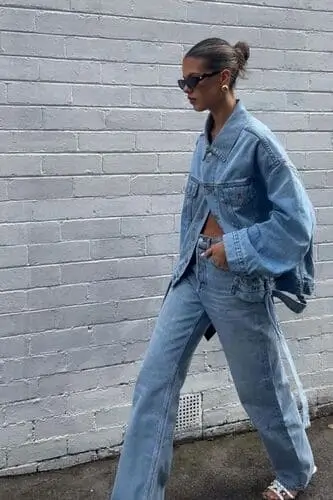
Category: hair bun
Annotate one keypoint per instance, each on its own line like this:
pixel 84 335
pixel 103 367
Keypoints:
pixel 243 51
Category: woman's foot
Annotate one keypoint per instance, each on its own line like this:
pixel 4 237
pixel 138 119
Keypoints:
pixel 276 491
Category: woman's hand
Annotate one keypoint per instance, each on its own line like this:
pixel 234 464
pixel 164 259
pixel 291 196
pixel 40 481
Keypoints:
pixel 217 254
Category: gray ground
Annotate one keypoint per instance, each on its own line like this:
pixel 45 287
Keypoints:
pixel 227 468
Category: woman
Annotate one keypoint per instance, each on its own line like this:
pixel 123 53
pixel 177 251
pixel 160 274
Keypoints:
pixel 246 234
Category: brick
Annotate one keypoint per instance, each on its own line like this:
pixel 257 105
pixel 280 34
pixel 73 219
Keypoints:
pixel 37 451
pixel 97 439
pixel 28 44
pixel 319 82
pixel 314 179
pixel 67 461
pixel 103 185
pixel 324 289
pixel 44 276
pixel 119 207
pixel 45 298
pixel 99 95
pixel 63 426
pixel 15 118
pixel 68 23
pixel 163 244
pixel 20 470
pixel 129 119
pixel 324 215
pixel 3 190
pixel 117 247
pixel 72 164
pixel 14 435
pixel 13 279
pixel 114 417
pixel 168 204
pixel 127 289
pixel 13 256
pixel 125 331
pixel 321 121
pixel 280 80
pixel 11 347
pixel 122 73
pixel 36 142
pixel 100 399
pixel 93 229
pixel 60 340
pixel 302 140
pixel 16 391
pixel 154 224
pixel 83 315
pixel 17 19
pixel 12 302
pixel 144 266
pixel 206 381
pixel 89 271
pixel 45 232
pixel 3 93
pixel 95 357
pixel 135 352
pixel 157 184
pixel 125 163
pixel 13 166
pixel 174 162
pixel 217 397
pixel 19 68
pixel 73 119
pixel 325 252
pixel 306 101
pixel 155 141
pixel 39 93
pixel 150 97
pixel 13 212
pixel 63 383
pixel 53 253
pixel 320 160
pixel 34 366
pixel 70 71
pixel 276 39
pixel 170 9
pixel 55 4
pixel 97 142
pixel 138 309
pixel 182 120
pixel 118 7
pixel 285 121
pixel 27 322
pixel 39 189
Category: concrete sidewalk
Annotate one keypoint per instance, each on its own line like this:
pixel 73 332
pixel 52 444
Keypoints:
pixel 226 468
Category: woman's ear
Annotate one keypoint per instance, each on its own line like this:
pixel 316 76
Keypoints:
pixel 225 77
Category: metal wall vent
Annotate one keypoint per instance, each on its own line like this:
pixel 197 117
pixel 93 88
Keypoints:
pixel 189 419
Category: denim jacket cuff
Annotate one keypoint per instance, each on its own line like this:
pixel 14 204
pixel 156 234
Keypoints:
pixel 233 250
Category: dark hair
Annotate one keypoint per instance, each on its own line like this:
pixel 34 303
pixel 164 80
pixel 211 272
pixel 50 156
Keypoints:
pixel 219 54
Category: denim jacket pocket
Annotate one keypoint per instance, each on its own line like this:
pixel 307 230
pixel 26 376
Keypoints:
pixel 238 200
pixel 191 194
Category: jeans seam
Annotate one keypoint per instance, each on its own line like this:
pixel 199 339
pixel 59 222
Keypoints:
pixel 166 405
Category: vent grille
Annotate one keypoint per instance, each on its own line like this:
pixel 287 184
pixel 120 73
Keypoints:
pixel 189 419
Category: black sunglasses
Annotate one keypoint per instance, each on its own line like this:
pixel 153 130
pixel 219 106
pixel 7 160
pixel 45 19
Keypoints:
pixel 192 81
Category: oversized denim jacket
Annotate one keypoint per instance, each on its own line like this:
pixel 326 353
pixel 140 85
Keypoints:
pixel 247 181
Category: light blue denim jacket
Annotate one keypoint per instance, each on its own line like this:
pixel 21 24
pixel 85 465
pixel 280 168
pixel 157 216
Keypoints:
pixel 247 181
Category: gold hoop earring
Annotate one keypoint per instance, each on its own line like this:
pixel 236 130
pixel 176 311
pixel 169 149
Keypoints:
pixel 224 88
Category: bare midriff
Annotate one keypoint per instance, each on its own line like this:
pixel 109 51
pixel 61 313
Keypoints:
pixel 212 228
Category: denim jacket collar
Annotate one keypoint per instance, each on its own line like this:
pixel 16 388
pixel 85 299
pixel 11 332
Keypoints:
pixel 227 137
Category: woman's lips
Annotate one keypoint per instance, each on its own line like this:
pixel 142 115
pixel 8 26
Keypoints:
pixel 192 100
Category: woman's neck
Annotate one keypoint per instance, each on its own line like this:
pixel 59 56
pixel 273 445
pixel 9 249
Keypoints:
pixel 221 114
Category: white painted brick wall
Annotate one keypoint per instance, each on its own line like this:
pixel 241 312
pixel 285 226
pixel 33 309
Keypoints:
pixel 95 141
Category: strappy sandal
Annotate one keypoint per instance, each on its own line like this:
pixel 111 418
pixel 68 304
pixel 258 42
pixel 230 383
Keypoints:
pixel 276 491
